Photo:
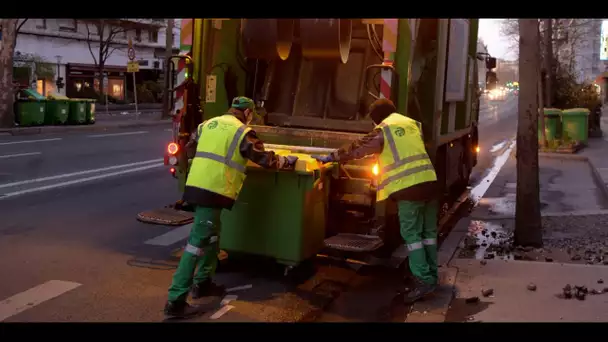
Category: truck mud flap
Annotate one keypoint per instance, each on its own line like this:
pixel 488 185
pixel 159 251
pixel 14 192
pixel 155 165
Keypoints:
pixel 354 242
pixel 166 216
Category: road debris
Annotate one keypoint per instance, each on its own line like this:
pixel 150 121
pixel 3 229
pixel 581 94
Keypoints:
pixel 229 298
pixel 531 287
pixel 487 292
pixel 483 262
pixel 548 259
pixel 600 281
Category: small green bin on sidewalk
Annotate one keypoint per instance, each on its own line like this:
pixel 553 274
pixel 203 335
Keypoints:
pixel 30 108
pixel 575 124
pixel 552 120
pixel 90 110
pixel 57 109
pixel 78 111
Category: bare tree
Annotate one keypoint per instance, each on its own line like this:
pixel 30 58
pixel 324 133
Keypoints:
pixel 102 39
pixel 527 209
pixel 8 29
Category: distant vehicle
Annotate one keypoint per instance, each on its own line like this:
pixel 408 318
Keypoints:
pixel 497 94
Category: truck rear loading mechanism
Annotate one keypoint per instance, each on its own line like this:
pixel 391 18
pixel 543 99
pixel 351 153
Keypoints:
pixel 315 79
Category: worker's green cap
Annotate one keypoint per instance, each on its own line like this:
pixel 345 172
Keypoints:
pixel 243 103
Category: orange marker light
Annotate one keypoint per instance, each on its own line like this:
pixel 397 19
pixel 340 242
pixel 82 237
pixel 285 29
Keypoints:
pixel 172 170
pixel 477 149
pixel 172 148
pixel 375 169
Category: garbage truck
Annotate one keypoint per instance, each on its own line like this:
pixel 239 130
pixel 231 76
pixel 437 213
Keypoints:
pixel 313 80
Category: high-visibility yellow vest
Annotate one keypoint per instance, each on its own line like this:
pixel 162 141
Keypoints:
pixel 403 161
pixel 218 165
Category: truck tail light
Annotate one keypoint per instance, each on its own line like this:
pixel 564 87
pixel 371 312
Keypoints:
pixel 172 148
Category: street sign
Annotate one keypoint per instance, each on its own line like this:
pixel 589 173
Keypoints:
pixel 132 66
pixel 130 43
pixel 105 83
pixel 131 54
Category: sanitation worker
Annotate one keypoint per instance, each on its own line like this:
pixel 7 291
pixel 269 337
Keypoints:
pixel 223 146
pixel 407 177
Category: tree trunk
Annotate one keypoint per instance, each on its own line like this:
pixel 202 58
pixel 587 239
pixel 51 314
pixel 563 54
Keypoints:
pixel 7 49
pixel 539 91
pixel 168 54
pixel 527 209
pixel 548 61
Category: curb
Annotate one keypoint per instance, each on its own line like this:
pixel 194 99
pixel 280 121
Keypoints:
pixel 88 128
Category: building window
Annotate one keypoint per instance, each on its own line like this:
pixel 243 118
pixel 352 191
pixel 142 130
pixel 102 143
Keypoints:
pixel 69 25
pixel 138 35
pixel 41 25
pixel 153 36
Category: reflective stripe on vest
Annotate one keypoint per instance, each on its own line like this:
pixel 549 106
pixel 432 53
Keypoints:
pixel 227 160
pixel 398 162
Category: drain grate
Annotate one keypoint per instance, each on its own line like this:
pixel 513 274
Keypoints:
pixel 166 216
pixel 354 242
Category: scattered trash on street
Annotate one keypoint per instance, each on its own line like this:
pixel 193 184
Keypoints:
pixel 239 288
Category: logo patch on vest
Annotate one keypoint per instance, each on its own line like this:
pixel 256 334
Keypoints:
pixel 212 125
pixel 399 131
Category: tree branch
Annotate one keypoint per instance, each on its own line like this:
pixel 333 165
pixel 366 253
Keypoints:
pixel 89 43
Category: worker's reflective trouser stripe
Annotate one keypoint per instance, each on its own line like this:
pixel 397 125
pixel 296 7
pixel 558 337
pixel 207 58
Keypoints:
pixel 227 160
pixel 414 246
pixel 193 250
pixel 400 162
pixel 429 242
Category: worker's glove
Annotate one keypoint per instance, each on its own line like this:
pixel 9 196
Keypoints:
pixel 289 162
pixel 324 159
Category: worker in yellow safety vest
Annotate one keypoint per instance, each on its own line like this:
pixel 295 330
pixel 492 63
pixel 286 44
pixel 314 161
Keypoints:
pixel 406 176
pixel 223 146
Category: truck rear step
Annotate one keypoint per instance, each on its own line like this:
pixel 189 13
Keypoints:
pixel 166 216
pixel 354 242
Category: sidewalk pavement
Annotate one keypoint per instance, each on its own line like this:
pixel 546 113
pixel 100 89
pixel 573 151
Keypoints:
pixel 100 125
pixel 526 285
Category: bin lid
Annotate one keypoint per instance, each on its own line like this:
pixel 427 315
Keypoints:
pixel 33 95
pixel 305 163
pixel 55 96
pixel 552 111
pixel 576 111
pixel 72 99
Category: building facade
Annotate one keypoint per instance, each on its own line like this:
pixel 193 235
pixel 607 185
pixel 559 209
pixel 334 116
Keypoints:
pixel 507 71
pixel 70 48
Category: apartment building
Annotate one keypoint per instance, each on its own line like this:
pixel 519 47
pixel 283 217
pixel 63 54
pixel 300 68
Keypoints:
pixel 69 49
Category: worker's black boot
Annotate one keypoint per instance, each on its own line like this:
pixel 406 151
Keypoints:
pixel 420 290
pixel 180 309
pixel 207 289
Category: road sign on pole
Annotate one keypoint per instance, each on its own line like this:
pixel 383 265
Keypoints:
pixel 132 66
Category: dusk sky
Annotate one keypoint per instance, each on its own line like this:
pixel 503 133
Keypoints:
pixel 489 31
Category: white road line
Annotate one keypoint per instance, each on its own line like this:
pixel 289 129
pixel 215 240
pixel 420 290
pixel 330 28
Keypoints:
pixel 115 134
pixel 79 173
pixel 78 181
pixel 34 296
pixel 478 191
pixel 219 313
pixel 20 155
pixel 28 141
pixel 174 236
pixel 168 130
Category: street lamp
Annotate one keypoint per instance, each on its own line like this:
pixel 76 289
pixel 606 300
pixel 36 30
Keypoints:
pixel 59 81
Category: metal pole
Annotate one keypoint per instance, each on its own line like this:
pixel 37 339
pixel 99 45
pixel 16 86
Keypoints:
pixel 168 53
pixel 135 95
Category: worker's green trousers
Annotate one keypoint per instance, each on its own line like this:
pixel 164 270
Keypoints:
pixel 418 221
pixel 202 250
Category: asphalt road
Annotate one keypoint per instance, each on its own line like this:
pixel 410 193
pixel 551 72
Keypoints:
pixel 72 250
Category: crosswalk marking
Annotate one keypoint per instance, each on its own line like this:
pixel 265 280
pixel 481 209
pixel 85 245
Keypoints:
pixel 33 297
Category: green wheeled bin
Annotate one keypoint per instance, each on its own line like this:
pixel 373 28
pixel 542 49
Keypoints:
pixel 90 111
pixel 78 111
pixel 552 121
pixel 57 109
pixel 30 108
pixel 575 123
pixel 279 214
